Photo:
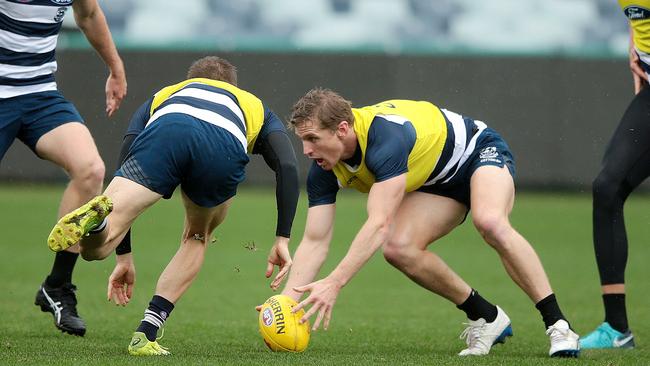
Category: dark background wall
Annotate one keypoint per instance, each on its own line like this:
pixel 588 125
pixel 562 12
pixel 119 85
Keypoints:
pixel 556 114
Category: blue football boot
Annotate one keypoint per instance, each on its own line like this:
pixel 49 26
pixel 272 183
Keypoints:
pixel 607 337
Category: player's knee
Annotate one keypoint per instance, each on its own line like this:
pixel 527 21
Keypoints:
pixel 89 175
pixel 397 252
pixel 606 191
pixel 96 172
pixel 492 228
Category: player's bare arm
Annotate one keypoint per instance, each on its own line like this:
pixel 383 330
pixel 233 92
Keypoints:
pixel 383 201
pixel 312 250
pixel 90 19
pixel 280 157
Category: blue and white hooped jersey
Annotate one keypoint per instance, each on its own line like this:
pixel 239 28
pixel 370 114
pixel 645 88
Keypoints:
pixel 28 36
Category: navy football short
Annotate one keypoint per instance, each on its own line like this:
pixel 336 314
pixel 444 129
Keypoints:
pixel 28 117
pixel 490 149
pixel 207 161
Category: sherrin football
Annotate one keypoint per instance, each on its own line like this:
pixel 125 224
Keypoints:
pixel 280 328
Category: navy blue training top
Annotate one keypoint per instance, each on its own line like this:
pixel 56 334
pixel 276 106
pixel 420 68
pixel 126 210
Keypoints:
pixel 387 153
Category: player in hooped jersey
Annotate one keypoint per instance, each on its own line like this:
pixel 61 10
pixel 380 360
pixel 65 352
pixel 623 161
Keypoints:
pixel 422 167
pixel 625 165
pixel 195 134
pixel 33 111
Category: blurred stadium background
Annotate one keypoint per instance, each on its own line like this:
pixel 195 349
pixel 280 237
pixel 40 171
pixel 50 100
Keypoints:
pixel 392 26
pixel 550 75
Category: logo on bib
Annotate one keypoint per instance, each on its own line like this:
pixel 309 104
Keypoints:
pixel 636 13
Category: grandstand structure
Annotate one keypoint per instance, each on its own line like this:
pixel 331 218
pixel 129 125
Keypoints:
pixel 393 26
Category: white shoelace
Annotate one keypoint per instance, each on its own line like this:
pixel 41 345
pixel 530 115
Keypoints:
pixel 557 334
pixel 472 334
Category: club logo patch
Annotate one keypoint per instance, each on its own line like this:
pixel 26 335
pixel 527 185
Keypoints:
pixel 267 317
pixel 636 13
pixel 60 13
pixel 489 153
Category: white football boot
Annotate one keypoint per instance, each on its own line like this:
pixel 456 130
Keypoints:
pixel 481 336
pixel 564 342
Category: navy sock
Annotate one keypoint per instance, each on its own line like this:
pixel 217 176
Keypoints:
pixel 615 312
pixel 476 307
pixel 550 310
pixel 62 268
pixel 155 316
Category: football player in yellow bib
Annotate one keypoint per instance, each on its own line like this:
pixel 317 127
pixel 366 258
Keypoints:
pixel 195 134
pixel 423 167
pixel 626 165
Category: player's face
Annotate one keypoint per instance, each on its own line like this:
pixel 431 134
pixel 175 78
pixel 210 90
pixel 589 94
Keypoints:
pixel 319 144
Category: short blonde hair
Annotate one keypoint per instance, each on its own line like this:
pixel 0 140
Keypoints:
pixel 322 105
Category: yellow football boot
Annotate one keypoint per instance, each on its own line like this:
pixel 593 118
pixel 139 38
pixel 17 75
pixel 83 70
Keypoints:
pixel 73 226
pixel 141 346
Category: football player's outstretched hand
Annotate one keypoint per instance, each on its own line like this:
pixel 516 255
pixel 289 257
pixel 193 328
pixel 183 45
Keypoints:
pixel 322 297
pixel 279 256
pixel 122 280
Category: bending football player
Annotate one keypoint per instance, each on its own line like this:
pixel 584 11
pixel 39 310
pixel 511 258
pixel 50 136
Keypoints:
pixel 195 134
pixel 423 167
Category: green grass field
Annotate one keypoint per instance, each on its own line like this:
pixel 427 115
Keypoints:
pixel 380 317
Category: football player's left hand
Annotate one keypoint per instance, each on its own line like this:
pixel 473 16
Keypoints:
pixel 322 296
pixel 278 256
pixel 122 280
